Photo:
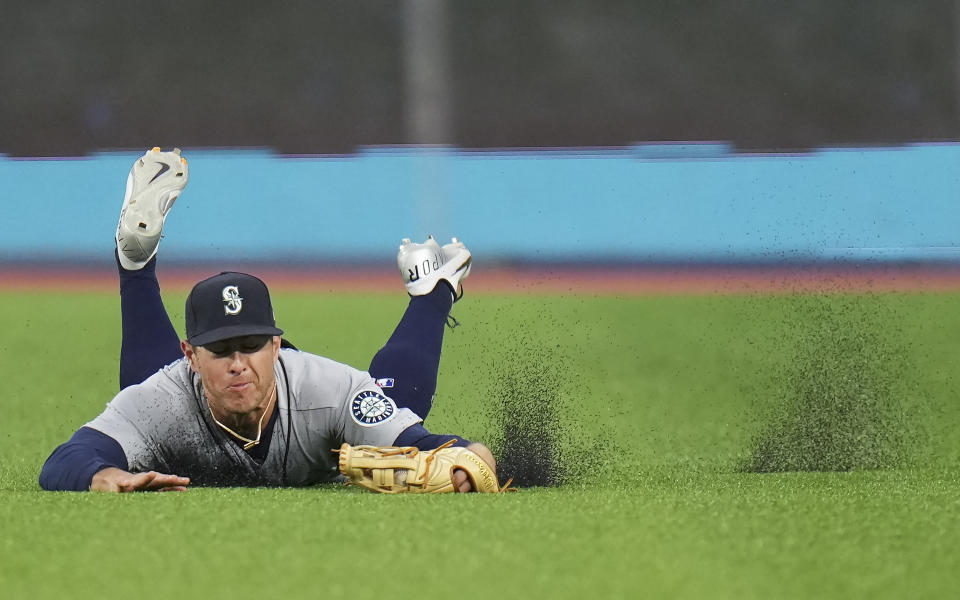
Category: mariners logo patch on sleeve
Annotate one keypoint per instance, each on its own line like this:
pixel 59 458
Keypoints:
pixel 370 408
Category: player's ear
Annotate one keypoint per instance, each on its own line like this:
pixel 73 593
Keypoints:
pixel 276 347
pixel 191 353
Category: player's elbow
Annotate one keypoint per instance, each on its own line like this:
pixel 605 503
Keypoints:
pixel 46 478
pixel 53 476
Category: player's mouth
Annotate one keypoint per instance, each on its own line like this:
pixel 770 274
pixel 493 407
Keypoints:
pixel 240 387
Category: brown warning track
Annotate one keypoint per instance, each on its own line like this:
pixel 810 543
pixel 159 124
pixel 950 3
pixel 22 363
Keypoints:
pixel 541 279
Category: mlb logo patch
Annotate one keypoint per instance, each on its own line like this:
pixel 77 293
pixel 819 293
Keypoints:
pixel 385 382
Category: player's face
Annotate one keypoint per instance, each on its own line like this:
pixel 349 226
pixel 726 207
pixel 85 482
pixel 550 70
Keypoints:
pixel 237 373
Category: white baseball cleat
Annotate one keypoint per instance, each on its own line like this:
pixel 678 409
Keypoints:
pixel 154 184
pixel 424 265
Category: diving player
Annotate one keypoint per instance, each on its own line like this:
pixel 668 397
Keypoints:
pixel 234 404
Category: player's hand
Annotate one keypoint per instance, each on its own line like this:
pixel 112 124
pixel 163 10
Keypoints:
pixel 118 480
pixel 460 480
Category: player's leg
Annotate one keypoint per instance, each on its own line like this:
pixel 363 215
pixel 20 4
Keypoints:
pixel 149 340
pixel 406 367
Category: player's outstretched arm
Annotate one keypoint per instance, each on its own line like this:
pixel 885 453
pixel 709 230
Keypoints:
pixel 92 460
pixel 113 479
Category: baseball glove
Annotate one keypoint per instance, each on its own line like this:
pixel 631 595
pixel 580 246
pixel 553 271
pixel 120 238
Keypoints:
pixel 398 470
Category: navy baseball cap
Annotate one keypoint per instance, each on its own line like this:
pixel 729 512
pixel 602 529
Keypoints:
pixel 229 305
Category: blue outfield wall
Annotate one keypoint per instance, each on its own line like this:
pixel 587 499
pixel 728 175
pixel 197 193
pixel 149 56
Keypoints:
pixel 673 202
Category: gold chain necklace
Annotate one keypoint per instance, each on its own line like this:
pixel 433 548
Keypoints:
pixel 248 443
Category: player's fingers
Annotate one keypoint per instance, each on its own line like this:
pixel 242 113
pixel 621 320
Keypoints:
pixel 175 488
pixel 461 482
pixel 151 481
pixel 136 481
pixel 162 480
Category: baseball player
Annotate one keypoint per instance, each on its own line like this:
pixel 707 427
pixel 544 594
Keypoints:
pixel 234 404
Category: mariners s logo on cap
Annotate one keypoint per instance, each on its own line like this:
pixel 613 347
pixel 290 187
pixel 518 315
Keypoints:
pixel 232 301
pixel 216 311
pixel 370 408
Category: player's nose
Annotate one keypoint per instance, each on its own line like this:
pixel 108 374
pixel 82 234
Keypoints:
pixel 238 362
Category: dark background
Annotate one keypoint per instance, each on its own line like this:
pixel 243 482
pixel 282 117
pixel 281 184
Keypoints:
pixel 305 77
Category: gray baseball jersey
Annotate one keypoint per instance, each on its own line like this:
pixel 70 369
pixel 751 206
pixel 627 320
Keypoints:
pixel 165 425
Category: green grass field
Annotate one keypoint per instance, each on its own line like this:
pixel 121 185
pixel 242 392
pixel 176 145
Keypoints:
pixel 658 405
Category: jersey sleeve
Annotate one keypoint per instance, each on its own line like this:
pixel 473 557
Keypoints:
pixel 73 464
pixel 418 436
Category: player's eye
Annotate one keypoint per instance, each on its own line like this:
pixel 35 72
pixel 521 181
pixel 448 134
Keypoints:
pixel 254 343
pixel 246 345
pixel 218 348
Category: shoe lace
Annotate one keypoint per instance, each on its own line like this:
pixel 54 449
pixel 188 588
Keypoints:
pixel 429 459
pixel 408 451
pixel 452 322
